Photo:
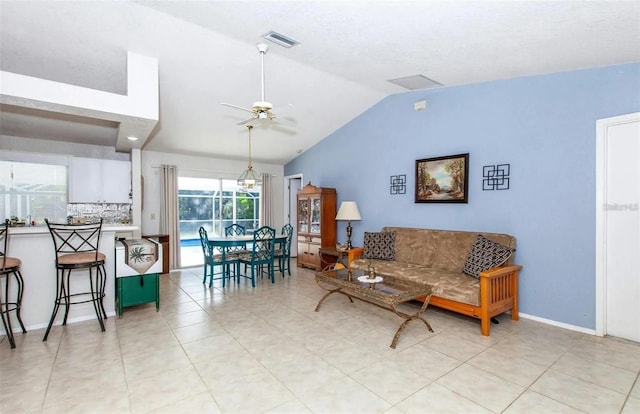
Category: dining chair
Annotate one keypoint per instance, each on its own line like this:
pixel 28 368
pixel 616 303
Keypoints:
pixel 235 230
pixel 76 249
pixel 10 270
pixel 212 259
pixel 261 255
pixel 235 251
pixel 283 250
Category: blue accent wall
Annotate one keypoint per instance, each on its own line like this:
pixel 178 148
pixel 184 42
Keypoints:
pixel 544 126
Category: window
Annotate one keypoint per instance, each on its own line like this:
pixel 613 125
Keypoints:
pixel 33 191
pixel 247 210
pixel 215 204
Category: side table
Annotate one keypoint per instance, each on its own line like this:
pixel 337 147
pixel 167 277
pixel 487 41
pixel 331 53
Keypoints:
pixel 135 285
pixel 331 255
pixel 136 290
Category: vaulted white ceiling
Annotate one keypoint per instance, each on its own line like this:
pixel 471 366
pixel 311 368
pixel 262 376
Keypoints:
pixel 347 53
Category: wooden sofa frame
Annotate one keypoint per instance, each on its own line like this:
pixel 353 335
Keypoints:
pixel 498 294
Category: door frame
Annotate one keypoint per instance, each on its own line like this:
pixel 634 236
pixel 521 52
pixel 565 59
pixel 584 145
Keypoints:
pixel 602 126
pixel 290 215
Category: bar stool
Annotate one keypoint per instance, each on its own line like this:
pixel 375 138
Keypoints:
pixel 9 266
pixel 76 248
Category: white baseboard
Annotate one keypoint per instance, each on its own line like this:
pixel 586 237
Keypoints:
pixel 37 326
pixel 558 324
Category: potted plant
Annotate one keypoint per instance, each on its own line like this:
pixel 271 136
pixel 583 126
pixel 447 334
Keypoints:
pixel 15 222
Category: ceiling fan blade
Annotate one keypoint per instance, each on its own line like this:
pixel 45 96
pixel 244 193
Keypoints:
pixel 236 107
pixel 262 110
pixel 284 130
pixel 276 124
pixel 288 120
pixel 246 121
pixel 283 108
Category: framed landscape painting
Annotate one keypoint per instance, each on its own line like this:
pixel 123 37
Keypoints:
pixel 442 179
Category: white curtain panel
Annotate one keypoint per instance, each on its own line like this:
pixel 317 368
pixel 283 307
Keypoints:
pixel 169 213
pixel 266 203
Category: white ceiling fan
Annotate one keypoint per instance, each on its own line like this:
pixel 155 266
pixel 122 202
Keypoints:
pixel 261 110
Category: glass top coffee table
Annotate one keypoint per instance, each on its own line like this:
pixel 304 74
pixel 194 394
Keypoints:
pixel 387 294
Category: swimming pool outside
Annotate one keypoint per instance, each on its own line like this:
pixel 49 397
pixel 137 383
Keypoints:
pixel 191 253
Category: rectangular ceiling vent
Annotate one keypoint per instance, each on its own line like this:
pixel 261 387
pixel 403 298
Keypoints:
pixel 415 82
pixel 280 39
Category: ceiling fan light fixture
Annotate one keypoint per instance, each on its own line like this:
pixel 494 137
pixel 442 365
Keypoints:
pixel 263 105
pixel 280 39
pixel 261 110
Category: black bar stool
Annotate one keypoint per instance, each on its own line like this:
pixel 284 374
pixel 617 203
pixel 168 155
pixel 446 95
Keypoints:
pixel 9 267
pixel 76 248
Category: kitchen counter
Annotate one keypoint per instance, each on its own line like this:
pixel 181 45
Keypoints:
pixel 43 229
pixel 34 247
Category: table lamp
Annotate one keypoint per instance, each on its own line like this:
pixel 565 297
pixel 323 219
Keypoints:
pixel 348 211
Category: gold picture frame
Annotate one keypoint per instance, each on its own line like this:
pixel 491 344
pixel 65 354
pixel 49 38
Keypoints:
pixel 443 179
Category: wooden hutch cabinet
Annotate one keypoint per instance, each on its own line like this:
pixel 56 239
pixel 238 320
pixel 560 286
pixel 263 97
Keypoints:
pixel 316 223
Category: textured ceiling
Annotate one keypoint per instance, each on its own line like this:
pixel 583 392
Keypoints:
pixel 347 53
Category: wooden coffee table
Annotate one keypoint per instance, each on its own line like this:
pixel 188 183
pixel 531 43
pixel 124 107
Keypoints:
pixel 387 294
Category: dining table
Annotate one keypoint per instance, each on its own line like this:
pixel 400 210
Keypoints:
pixel 226 242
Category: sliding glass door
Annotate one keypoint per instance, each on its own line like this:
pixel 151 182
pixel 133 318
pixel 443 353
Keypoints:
pixel 213 204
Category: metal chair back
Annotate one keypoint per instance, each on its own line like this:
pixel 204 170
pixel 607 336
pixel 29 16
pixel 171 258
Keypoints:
pixel 4 243
pixel 287 230
pixel 10 266
pixel 235 230
pixel 207 250
pixel 263 245
pixel 80 240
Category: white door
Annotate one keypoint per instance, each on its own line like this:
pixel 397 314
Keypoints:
pixel 618 226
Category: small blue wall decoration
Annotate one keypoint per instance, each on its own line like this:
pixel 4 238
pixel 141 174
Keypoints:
pixel 398 184
pixel 495 177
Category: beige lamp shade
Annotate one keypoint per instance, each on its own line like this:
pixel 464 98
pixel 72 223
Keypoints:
pixel 348 211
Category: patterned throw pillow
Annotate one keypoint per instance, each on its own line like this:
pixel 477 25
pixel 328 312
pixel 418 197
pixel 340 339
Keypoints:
pixel 380 245
pixel 484 255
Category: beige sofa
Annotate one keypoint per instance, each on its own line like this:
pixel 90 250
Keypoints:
pixel 438 258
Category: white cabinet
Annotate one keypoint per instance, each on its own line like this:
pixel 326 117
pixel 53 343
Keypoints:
pixel 116 182
pixel 99 181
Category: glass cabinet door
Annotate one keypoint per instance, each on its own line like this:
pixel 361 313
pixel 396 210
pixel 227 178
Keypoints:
pixel 303 215
pixel 315 216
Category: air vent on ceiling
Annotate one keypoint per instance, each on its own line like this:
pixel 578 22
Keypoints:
pixel 280 39
pixel 415 82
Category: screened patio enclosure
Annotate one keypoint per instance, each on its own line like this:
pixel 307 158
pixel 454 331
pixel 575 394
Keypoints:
pixel 213 204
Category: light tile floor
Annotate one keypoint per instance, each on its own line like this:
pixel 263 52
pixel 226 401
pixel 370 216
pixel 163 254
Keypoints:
pixel 265 350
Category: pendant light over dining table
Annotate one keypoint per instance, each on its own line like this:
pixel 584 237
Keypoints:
pixel 249 178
